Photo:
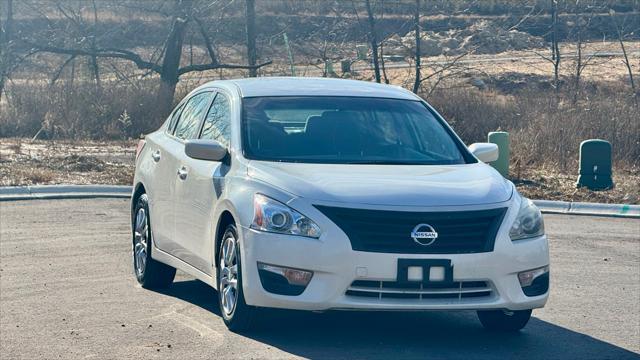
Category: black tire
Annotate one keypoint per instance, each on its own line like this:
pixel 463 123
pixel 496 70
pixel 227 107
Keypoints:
pixel 150 273
pixel 504 321
pixel 240 317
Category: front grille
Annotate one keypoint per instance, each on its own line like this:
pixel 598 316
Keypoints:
pixel 390 231
pixel 393 290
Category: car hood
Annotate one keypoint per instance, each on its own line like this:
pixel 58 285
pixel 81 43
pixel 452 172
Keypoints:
pixel 388 185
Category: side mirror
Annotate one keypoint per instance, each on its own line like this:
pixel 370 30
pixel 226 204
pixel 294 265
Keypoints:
pixel 209 150
pixel 485 152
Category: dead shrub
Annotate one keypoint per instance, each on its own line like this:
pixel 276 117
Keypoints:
pixel 120 110
pixel 30 176
pixel 546 128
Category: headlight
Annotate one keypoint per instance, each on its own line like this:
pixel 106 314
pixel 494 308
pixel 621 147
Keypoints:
pixel 273 216
pixel 528 223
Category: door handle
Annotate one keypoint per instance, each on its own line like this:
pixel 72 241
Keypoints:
pixel 182 173
pixel 156 155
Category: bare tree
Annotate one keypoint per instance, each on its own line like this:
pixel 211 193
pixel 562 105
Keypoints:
pixel 416 19
pixel 6 38
pixel 373 40
pixel 451 67
pixel 252 56
pixel 555 48
pixel 328 40
pixel 579 63
pixel 555 57
pixel 94 59
pixel 169 73
pixel 619 32
pixel 382 60
pixel 383 66
pixel 170 69
pixel 582 19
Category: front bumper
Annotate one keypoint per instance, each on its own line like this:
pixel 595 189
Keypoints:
pixel 336 266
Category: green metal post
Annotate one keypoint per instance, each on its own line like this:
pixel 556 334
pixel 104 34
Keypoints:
pixel 501 138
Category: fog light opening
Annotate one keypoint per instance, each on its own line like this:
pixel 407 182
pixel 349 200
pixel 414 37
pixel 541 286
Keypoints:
pixel 294 276
pixel 527 277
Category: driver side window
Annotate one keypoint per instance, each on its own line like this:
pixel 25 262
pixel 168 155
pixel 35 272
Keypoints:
pixel 217 125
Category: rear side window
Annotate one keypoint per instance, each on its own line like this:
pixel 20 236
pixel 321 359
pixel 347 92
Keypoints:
pixel 192 114
pixel 217 125
pixel 173 119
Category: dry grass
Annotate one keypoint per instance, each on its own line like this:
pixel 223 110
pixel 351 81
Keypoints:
pixel 30 176
pixel 550 184
pixel 64 162
pixel 79 111
pixel 546 128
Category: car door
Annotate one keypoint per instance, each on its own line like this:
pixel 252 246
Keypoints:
pixel 199 191
pixel 187 127
pixel 161 165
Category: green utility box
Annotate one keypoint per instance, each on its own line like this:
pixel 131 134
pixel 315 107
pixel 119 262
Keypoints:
pixel 501 138
pixel 345 66
pixel 328 69
pixel 595 165
pixel 362 51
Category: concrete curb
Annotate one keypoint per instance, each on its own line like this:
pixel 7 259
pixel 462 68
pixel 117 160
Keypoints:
pixel 13 193
pixel 582 208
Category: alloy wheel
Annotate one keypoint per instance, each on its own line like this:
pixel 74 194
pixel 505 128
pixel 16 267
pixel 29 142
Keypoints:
pixel 229 275
pixel 141 235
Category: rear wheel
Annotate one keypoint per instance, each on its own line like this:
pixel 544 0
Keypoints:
pixel 149 272
pixel 237 315
pixel 502 320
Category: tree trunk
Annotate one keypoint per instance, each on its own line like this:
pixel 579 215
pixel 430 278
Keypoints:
pixel 579 65
pixel 626 58
pixel 555 49
pixel 382 65
pixel 292 67
pixel 5 43
pixel 94 59
pixel 373 39
pixel 252 55
pixel 416 19
pixel 628 63
pixel 171 61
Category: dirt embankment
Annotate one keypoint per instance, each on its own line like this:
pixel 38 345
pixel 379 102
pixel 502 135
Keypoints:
pixel 483 37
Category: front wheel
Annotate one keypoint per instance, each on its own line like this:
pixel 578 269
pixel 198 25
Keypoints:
pixel 237 315
pixel 502 320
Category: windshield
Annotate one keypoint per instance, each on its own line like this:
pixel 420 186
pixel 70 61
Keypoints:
pixel 346 130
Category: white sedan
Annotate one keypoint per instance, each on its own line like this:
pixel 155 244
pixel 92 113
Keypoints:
pixel 320 194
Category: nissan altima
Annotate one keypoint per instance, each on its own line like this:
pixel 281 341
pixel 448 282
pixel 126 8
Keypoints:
pixel 327 194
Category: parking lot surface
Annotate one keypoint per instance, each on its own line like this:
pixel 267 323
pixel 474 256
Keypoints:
pixel 67 291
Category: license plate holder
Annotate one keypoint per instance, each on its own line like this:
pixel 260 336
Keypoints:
pixel 426 265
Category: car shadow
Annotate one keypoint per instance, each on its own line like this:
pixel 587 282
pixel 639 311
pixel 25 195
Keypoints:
pixel 404 335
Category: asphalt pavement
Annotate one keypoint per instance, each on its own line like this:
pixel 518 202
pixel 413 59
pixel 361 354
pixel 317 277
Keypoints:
pixel 67 291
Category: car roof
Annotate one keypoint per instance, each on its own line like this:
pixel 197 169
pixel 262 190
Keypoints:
pixel 303 86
